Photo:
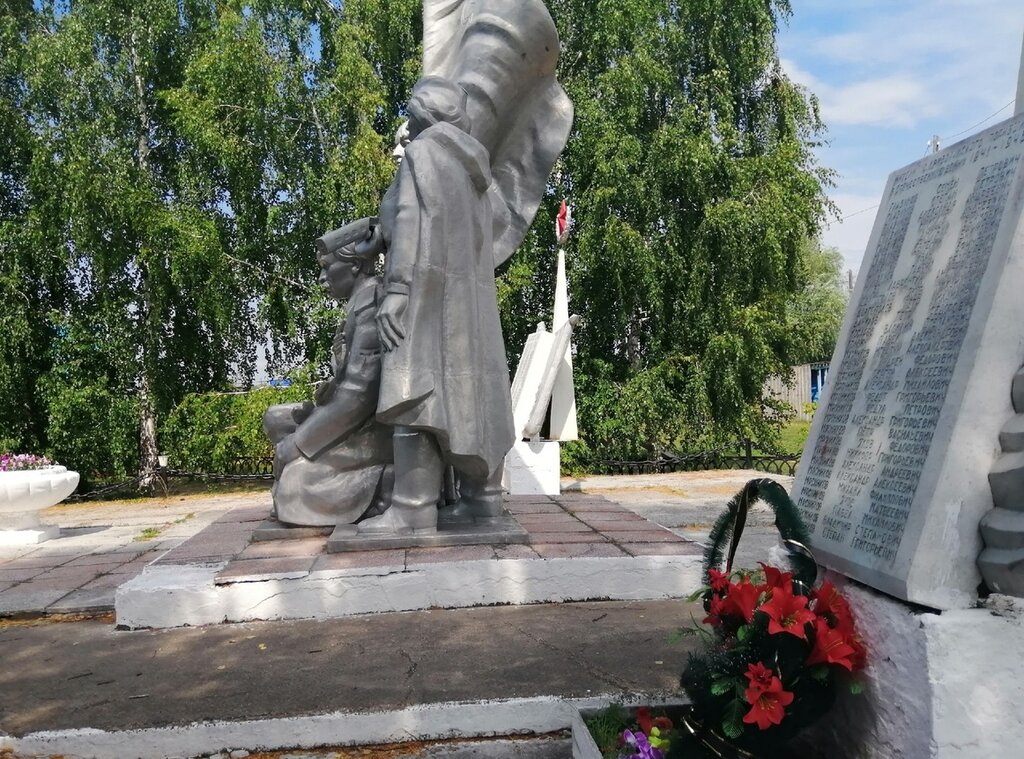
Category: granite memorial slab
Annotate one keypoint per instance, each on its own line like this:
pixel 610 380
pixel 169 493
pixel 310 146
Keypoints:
pixel 894 478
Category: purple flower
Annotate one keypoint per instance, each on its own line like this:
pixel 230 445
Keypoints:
pixel 640 745
pixel 20 462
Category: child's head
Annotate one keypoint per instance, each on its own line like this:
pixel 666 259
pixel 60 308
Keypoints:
pixel 340 270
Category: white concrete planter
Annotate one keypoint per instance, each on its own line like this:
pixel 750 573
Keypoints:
pixel 24 494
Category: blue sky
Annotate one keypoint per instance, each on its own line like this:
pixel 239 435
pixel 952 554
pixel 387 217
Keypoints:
pixel 889 74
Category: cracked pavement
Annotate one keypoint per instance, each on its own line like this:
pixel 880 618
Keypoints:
pixel 87 674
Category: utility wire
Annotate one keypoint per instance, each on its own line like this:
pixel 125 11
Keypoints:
pixel 858 213
pixel 930 148
pixel 975 126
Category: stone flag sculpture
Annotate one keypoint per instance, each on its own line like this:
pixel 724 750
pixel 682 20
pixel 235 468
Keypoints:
pixel 486 124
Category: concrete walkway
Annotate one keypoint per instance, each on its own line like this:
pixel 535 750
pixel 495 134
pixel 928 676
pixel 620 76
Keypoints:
pixel 102 545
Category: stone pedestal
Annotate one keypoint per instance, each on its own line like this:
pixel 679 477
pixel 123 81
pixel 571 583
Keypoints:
pixel 937 685
pixel 29 537
pixel 533 469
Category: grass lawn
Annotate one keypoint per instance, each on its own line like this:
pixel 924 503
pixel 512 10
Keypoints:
pixel 793 437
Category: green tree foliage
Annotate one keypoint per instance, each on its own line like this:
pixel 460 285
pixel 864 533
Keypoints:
pixel 816 310
pixel 164 167
pixel 695 187
pixel 206 432
pixel 30 281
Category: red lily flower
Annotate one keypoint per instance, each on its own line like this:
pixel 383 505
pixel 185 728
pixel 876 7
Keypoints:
pixel 830 604
pixel 760 678
pixel 643 720
pixel 830 646
pixel 775 578
pixel 716 612
pixel 719 580
pixel 741 599
pixel 767 707
pixel 663 723
pixel 787 613
pixel 859 659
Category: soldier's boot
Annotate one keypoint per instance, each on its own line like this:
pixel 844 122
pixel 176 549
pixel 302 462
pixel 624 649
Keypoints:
pixel 418 476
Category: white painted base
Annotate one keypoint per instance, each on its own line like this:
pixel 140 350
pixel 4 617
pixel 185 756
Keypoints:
pixel 533 468
pixel 483 719
pixel 29 537
pixel 175 596
pixel 938 685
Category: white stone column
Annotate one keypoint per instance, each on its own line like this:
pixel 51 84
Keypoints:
pixel 1020 85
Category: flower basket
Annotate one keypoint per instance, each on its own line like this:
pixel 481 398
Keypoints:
pixel 775 651
pixel 24 492
pixel 779 649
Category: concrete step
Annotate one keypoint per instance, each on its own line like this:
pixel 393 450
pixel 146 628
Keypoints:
pixel 1003 570
pixel 1003 529
pixel 1018 391
pixel 1011 436
pixel 1007 482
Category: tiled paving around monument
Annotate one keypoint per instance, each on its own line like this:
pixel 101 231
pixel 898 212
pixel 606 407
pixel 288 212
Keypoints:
pixel 103 546
pixel 568 526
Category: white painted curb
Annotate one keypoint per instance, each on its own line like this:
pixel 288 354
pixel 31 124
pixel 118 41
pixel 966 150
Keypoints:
pixel 175 596
pixel 427 722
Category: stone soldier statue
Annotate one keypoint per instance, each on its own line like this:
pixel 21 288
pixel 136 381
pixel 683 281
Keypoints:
pixel 486 124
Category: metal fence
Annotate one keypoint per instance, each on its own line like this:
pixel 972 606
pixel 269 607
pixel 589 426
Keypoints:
pixel 256 468
pixel 262 468
pixel 245 468
pixel 724 458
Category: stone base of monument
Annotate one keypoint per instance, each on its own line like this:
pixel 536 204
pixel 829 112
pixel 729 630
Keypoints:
pixel 271 529
pixel 503 530
pixel 533 468
pixel 580 547
pixel 938 685
pixel 29 537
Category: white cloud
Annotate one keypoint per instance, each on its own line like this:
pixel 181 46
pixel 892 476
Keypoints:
pixel 900 64
pixel 889 75
pixel 897 100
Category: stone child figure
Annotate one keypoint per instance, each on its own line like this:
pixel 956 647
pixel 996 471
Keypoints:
pixel 444 378
pixel 332 458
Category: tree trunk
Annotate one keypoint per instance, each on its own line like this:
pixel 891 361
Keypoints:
pixel 148 448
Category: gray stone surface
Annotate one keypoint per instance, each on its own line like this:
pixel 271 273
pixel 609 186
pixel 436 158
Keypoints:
pixel 1017 392
pixel 1007 481
pixel 893 482
pixel 504 530
pixel 271 529
pixel 1003 569
pixel 97 677
pixel 1011 437
pixel 1002 528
